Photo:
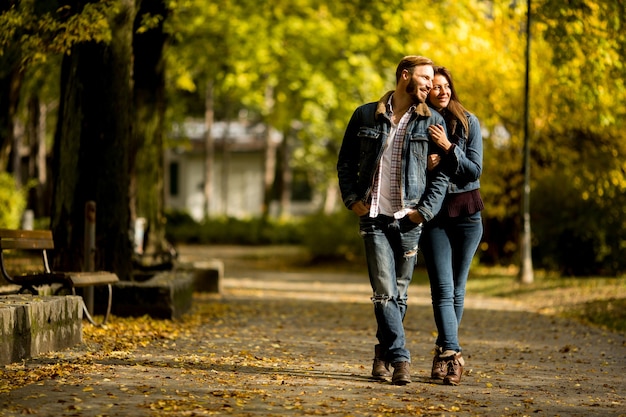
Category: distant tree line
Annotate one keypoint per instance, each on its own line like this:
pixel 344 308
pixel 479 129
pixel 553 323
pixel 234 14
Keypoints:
pixel 89 90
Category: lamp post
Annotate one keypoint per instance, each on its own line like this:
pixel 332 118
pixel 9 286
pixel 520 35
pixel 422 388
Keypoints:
pixel 526 261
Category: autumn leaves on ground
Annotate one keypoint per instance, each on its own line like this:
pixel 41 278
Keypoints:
pixel 280 343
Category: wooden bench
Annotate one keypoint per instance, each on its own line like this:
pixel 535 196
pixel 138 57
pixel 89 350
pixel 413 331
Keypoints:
pixel 41 241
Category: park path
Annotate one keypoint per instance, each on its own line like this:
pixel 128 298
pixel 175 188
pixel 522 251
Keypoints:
pixel 285 343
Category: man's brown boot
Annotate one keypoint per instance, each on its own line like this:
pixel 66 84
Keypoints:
pixel 380 368
pixel 401 373
pixel 455 370
pixel 440 365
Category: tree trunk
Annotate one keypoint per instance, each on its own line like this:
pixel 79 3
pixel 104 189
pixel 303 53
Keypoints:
pixel 37 164
pixel 147 157
pixel 91 149
pixel 225 169
pixel 10 85
pixel 269 175
pixel 286 174
pixel 330 199
pixel 209 148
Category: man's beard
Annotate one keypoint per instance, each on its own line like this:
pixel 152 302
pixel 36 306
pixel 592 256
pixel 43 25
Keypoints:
pixel 412 90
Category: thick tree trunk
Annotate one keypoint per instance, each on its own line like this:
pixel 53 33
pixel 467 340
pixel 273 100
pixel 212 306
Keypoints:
pixel 91 149
pixel 10 82
pixel 10 85
pixel 147 164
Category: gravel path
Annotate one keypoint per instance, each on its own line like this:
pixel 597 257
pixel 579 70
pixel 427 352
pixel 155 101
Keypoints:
pixel 278 343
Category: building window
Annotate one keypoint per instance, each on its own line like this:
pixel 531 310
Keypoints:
pixel 174 175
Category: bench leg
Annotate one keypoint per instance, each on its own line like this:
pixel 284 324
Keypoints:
pixel 28 289
pixel 107 314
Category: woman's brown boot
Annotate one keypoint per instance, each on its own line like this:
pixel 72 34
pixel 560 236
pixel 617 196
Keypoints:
pixel 440 366
pixel 455 370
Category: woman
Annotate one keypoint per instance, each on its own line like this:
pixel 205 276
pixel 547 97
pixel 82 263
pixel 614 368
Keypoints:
pixel 450 241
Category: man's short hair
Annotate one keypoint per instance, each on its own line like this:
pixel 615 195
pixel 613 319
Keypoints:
pixel 409 62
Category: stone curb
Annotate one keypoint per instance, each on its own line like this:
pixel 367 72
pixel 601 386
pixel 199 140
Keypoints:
pixel 167 295
pixel 31 325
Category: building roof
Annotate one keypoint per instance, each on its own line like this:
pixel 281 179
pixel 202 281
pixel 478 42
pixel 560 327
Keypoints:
pixel 238 136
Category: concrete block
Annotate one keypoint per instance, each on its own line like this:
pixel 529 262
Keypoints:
pixel 31 325
pixel 208 276
pixel 167 295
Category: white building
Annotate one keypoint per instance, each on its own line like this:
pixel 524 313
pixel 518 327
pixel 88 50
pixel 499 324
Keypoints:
pixel 237 172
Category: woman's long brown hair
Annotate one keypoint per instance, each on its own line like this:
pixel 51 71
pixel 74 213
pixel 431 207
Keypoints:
pixel 455 112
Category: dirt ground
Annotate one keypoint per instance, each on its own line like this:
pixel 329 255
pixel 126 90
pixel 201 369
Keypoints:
pixel 284 343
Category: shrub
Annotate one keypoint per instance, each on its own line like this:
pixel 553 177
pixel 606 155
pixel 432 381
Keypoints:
pixel 577 236
pixel 12 201
pixel 227 230
pixel 334 236
pixel 327 237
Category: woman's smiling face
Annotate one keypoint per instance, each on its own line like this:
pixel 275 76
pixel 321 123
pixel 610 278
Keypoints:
pixel 439 95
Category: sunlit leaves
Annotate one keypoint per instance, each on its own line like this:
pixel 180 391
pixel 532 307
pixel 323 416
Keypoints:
pixel 588 42
pixel 309 64
pixel 149 22
pixel 53 32
pixel 183 80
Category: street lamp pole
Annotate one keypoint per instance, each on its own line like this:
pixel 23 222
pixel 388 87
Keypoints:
pixel 526 266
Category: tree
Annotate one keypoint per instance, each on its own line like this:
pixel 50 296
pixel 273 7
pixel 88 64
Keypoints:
pixel 32 32
pixel 582 133
pixel 91 149
pixel 11 76
pixel 308 64
pixel 207 60
pixel 146 152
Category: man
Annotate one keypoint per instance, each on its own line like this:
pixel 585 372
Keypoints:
pixel 382 170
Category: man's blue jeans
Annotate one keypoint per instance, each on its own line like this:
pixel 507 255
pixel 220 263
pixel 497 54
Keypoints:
pixel 449 245
pixel 391 252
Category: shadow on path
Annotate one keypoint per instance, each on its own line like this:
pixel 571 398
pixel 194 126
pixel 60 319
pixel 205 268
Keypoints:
pixel 279 343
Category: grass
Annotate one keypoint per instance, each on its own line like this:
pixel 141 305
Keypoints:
pixel 597 301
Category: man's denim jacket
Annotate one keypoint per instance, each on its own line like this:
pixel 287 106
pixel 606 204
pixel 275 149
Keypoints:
pixel 362 149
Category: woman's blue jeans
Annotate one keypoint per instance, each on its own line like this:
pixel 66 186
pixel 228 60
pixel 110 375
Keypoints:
pixel 449 245
pixel 391 252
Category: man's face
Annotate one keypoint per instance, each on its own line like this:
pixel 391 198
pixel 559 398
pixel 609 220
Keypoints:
pixel 420 82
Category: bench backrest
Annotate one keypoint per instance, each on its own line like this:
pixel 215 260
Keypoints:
pixel 26 239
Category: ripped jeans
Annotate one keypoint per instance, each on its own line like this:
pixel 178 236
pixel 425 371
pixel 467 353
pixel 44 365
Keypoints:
pixel 391 252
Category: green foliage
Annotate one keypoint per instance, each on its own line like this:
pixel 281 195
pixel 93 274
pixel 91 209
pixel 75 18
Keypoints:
pixel 588 42
pixel 333 236
pixel 231 231
pixel 41 29
pixel 595 300
pixel 326 237
pixel 12 200
pixel 608 314
pixel 579 220
pixel 306 65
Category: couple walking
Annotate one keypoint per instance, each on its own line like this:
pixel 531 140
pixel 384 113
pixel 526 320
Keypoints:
pixel 409 167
